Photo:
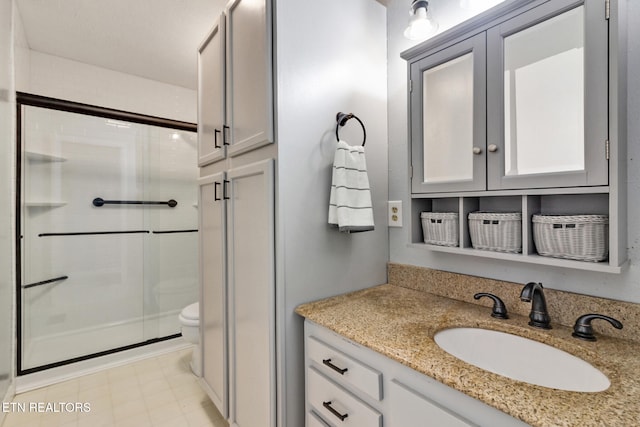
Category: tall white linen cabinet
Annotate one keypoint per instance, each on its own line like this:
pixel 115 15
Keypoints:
pixel 271 77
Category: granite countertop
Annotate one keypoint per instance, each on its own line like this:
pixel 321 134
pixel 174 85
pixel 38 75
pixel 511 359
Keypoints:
pixel 400 323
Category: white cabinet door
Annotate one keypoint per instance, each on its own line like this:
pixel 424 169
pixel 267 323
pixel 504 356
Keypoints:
pixel 249 75
pixel 211 96
pixel 547 91
pixel 408 408
pixel 448 127
pixel 213 319
pixel 250 227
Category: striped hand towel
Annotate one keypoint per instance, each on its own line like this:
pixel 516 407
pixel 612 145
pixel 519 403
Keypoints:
pixel 350 206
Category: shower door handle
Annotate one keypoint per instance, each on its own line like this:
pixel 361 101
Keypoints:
pixel 99 202
pixel 215 191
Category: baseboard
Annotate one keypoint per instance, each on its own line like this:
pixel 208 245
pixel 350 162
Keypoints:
pixel 8 397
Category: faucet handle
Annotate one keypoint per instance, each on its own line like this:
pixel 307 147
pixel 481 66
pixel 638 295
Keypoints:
pixel 583 329
pixel 499 309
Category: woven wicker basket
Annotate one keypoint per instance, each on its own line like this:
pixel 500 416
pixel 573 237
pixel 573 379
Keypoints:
pixel 440 228
pixel 501 232
pixel 580 237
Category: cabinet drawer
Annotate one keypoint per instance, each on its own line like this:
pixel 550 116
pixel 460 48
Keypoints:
pixel 338 405
pixel 345 369
pixel 314 420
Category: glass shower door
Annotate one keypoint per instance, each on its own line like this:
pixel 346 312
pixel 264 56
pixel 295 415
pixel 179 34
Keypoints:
pixel 93 269
pixel 171 249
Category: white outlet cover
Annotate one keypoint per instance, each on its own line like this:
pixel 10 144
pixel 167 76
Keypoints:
pixel 395 213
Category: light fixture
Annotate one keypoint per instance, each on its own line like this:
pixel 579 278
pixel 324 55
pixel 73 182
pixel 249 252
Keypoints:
pixel 420 25
pixel 478 5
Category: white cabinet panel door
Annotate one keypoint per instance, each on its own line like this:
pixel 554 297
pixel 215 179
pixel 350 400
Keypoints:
pixel 411 409
pixel 250 226
pixel 249 75
pixel 213 319
pixel 211 91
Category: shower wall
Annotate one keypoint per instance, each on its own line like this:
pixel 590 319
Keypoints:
pixel 47 75
pixel 124 270
pixel 6 192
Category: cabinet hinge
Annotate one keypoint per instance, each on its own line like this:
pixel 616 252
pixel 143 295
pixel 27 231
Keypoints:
pixel 606 149
pixel 607 9
pixel 410 171
pixel 410 86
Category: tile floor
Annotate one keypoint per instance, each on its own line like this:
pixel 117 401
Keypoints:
pixel 156 392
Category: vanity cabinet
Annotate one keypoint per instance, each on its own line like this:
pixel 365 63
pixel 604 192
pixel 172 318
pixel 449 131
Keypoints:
pixel 235 88
pixel 349 383
pixel 238 303
pixel 517 111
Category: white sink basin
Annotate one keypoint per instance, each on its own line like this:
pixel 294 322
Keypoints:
pixel 521 359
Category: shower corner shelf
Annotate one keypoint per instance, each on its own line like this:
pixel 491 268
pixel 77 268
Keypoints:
pixel 43 157
pixel 45 204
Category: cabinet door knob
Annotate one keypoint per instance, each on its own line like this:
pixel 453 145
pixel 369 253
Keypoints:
pixel 493 148
pixel 477 150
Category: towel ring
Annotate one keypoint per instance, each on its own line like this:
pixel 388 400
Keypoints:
pixel 342 118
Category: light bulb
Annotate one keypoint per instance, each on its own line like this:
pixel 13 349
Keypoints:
pixel 420 26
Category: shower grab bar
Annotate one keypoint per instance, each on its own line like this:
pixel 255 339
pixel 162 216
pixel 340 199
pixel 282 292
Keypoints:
pixel 174 231
pixel 45 282
pixel 99 201
pixel 90 233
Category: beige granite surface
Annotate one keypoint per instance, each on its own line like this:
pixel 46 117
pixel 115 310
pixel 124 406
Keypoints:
pixel 563 307
pixel 400 323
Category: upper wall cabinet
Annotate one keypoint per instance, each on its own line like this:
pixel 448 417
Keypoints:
pixel 235 94
pixel 522 111
pixel 519 104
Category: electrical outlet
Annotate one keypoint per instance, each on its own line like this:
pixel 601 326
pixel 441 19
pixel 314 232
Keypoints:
pixel 395 213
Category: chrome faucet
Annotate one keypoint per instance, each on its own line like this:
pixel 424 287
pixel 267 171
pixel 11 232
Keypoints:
pixel 539 317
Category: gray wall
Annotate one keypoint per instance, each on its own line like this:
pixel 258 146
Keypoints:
pixel 625 286
pixel 6 192
pixel 331 56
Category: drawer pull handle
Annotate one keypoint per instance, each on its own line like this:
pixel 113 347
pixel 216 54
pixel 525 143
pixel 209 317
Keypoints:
pixel 333 411
pixel 327 362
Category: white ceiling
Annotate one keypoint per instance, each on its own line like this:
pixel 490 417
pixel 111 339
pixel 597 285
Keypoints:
pixel 155 39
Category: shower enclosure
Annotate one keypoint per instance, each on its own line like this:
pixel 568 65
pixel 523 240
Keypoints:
pixel 107 250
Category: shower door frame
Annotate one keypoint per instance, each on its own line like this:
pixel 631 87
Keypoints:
pixel 26 99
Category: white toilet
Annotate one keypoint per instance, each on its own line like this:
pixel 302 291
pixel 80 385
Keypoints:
pixel 190 327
